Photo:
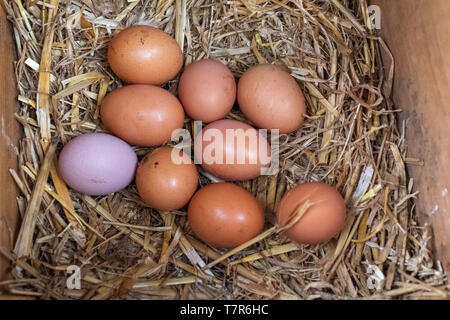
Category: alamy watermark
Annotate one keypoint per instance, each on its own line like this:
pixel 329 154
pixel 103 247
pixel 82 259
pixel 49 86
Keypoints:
pixel 73 282
pixel 226 147
pixel 375 17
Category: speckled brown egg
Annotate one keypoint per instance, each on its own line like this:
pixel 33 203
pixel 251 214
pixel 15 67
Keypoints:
pixel 271 98
pixel 142 114
pixel 166 179
pixel 144 54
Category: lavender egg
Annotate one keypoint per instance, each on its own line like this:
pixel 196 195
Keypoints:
pixel 97 164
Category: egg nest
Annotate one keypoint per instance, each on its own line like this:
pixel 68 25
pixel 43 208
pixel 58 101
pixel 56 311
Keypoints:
pixel 350 140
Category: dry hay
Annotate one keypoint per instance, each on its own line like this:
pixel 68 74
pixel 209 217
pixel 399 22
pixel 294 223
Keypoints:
pixel 128 251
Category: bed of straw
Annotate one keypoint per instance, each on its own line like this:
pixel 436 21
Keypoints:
pixel 125 250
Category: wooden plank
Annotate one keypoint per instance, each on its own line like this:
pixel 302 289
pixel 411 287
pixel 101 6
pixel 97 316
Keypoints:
pixel 10 133
pixel 418 34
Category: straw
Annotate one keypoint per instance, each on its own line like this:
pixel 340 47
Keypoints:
pixel 350 140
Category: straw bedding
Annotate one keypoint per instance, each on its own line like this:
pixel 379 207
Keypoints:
pixel 126 250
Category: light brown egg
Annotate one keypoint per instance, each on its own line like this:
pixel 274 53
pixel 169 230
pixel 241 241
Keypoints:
pixel 232 150
pixel 163 183
pixel 323 220
pixel 144 54
pixel 225 215
pixel 143 115
pixel 271 98
pixel 207 90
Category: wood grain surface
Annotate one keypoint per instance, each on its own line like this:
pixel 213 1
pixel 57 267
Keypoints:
pixel 418 33
pixel 10 133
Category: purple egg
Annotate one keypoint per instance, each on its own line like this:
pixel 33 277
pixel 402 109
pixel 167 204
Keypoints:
pixel 97 164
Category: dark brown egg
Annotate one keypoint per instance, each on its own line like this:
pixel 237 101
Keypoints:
pixel 225 215
pixel 323 220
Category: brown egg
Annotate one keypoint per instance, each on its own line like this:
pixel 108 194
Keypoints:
pixel 163 183
pixel 141 114
pixel 232 150
pixel 144 54
pixel 207 90
pixel 321 222
pixel 271 98
pixel 225 215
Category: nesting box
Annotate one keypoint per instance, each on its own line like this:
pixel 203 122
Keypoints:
pixel 416 32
